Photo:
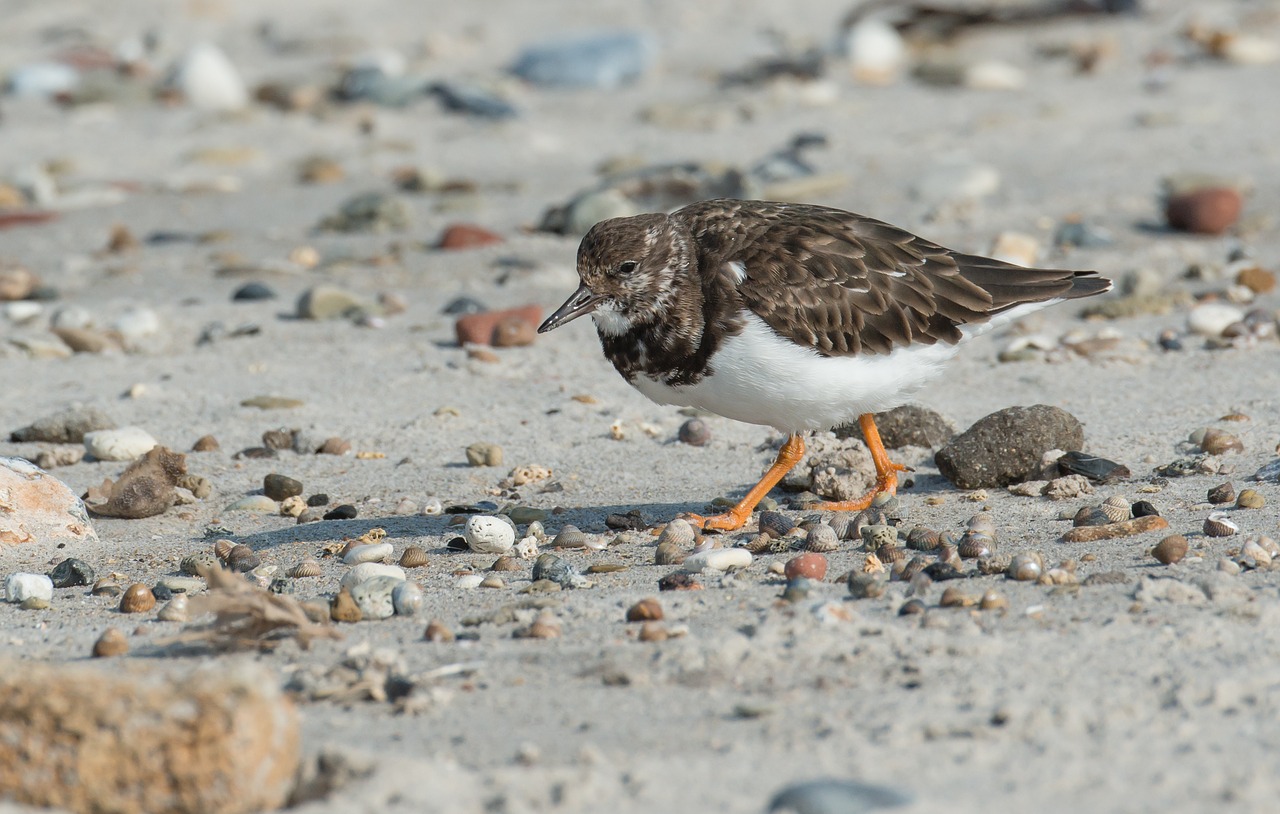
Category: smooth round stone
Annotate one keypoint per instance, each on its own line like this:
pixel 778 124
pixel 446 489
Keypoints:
pixel 254 503
pixel 181 585
pixel 486 534
pixel 175 610
pixel 253 292
pixel 330 302
pixel 1212 318
pixel 279 487
pixel 123 444
pixel 836 797
pixel 72 572
pixel 373 597
pixel 875 50
pixel 71 316
pixel 137 323
pixel 717 559
pixel 524 515
pixel 375 552
pixel 21 586
pixel 407 598
pixel 209 81
pixel 470 581
pixel 369 570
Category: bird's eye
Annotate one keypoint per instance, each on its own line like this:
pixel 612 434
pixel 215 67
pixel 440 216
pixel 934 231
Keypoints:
pixel 628 266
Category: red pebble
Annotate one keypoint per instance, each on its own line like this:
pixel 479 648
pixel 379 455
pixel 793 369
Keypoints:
pixel 812 566
pixel 479 329
pixel 467 236
pixel 1209 211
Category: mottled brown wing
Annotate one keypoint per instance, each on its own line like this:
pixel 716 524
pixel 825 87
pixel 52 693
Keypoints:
pixel 844 284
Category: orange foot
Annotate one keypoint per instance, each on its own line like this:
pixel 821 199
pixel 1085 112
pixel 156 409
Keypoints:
pixel 731 520
pixel 886 472
pixel 790 454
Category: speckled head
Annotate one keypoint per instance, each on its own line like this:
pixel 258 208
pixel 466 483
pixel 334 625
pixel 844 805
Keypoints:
pixel 627 266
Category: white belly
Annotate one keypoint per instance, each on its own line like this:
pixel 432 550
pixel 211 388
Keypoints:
pixel 761 378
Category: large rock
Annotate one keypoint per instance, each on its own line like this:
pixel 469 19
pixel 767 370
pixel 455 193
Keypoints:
pixel 65 427
pixel 907 426
pixel 36 507
pixel 220 740
pixel 1007 446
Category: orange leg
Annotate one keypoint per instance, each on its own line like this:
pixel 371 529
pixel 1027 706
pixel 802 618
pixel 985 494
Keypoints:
pixel 790 454
pixel 886 471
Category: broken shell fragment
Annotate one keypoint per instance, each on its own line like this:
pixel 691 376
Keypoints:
pixel 1217 524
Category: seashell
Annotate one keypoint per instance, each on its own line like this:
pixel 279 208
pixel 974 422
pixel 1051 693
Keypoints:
pixel 304 568
pixel 653 632
pixel 570 536
pixel 546 626
pixel 867 517
pixel 505 563
pixel 717 559
pixel 1060 576
pixel 923 539
pixel 1250 499
pixel 492 581
pixel 1217 524
pixel 368 552
pixel 263 575
pixel 175 610
pixel 678 532
pixel 373 597
pixel 369 570
pixel 821 538
pixel 1219 442
pixel 556 569
pixel 413 557
pixel 873 565
pixel 953 597
pixel 437 632
pixel 912 607
pixel 537 531
pixel 1091 516
pixel 241 559
pixel 1269 545
pixel 984 523
pixel 889 554
pixel 1170 550
pixel 106 586
pixel 646 610
pixel 137 598
pixel 775 524
pixel 887 505
pixel 470 581
pixel 974 545
pixel 1222 493
pixel 949 554
pixel 760 544
pixel 994 600
pixel 373 535
pixel 1116 509
pixel 526 549
pixel 879 534
pixel 867 586
pixel 1119 501
pixel 842 522
pixel 1026 567
pixel 111 643
pixel 668 554
pixel 914 566
pixel 407 599
pixel 1260 557
pixel 489 535
pixel 995 564
pixel 222 549
pixel 192 564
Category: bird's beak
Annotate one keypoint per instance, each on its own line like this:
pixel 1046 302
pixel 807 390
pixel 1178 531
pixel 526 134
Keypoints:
pixel 583 301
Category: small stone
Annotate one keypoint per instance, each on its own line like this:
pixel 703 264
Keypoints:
pixel 556 569
pixel 487 534
pixel 908 425
pixel 17 283
pixel 205 443
pixel 369 570
pixel 694 432
pixel 370 552
pixel 1206 211
pixel 912 607
pixel 481 328
pixel 605 61
pixel 375 212
pixel 653 632
pixel 1212 319
pixel 679 581
pixel 646 610
pixel 1007 446
pixel 123 444
pixel 373 597
pixel 318 499
pixel 161 592
pixel 343 511
pixel 343 608
pixel 437 632
pixel 866 586
pixel 810 566
pixel 271 402
pixel 1170 550
pixel 21 586
pixel 279 487
pixel 325 302
pixel 137 598
pixel 65 427
pixel 208 80
pixel 483 453
pixel 253 292
pixel 1250 499
pixel 956 181
pixel 72 572
pixel 293 506
pixel 320 169
pixel 546 626
pixel 514 332
pixel 335 446
pixel 467 236
pixel 717 559
pixel 260 504
pixel 106 587
pixel 493 581
pixel 1222 493
pixel 875 51
pixel 110 644
pixel 993 600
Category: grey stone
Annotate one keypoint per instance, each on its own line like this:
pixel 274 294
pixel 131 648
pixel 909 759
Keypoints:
pixel 1007 446
pixel 66 427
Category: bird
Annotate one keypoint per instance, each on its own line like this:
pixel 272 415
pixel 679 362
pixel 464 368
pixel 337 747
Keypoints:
pixel 794 316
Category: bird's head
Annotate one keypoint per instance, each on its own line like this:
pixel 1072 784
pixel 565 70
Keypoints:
pixel 628 269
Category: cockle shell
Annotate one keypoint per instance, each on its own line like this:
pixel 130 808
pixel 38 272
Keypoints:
pixel 413 557
pixel 304 568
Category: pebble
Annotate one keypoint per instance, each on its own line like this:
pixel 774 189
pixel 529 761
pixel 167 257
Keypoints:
pixel 482 328
pixel 1170 550
pixel 370 570
pixel 437 632
pixel 717 559
pixel 343 511
pixel 205 443
pixel 486 534
pixel 604 61
pixel 956 181
pixel 111 643
pixel 470 581
pixel 646 610
pixel 122 444
pixel 324 302
pixel 1205 211
pixel 136 323
pixel 342 608
pixel 493 581
pixel 137 598
pixel 811 566
pixel 72 572
pixel 1212 318
pixel 209 81
pixel 375 212
pixel 694 432
pixel 375 552
pixel 65 427
pixel 175 610
pixel 875 50
pixel 557 570
pixel 483 453
pixel 279 487
pixel 374 597
pixel 254 503
pixel 253 292
pixel 41 80
pixel 1127 528
pixel 908 425
pixel 1222 493
pixel 181 585
pixel 1007 446
pixel 514 332
pixel 106 586
pixel 466 236
pixel 22 586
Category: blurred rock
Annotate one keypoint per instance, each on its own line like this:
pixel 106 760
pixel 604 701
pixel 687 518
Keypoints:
pixel 208 80
pixel 65 427
pixel 36 507
pixel 370 212
pixel 606 60
pixel 1208 211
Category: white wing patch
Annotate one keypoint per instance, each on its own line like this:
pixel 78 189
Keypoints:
pixel 737 271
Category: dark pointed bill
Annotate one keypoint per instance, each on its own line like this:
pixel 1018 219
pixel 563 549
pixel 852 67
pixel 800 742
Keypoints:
pixel 583 301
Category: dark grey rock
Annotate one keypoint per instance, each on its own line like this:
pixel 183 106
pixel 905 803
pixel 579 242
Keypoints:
pixel 344 511
pixel 318 499
pixel 251 292
pixel 1007 446
pixel 907 426
pixel 694 432
pixel 1099 470
pixel 72 572
pixel 835 797
pixel 459 306
pixel 279 487
pixel 607 60
pixel 65 427
pixel 555 569
pixel 471 100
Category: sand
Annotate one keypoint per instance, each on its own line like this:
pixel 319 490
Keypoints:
pixel 1072 700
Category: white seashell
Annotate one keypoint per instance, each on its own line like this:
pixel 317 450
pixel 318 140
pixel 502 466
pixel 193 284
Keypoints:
pixel 489 535
pixel 368 570
pixel 376 552
pixel 253 503
pixel 527 549
pixel 717 559
pixel 373 597
pixel 21 586
pixel 470 581
pixel 875 50
pixel 209 80
pixel 678 532
pixel 407 597
pixel 432 507
pixel 994 74
pixel 1255 552
pixel 137 323
pixel 175 610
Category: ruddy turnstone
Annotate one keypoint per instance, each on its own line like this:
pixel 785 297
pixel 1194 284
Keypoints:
pixel 793 316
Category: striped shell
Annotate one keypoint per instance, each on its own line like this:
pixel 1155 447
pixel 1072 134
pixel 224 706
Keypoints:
pixel 1091 516
pixel 413 557
pixel 1217 524
pixel 678 532
pixel 1026 567
pixel 867 517
pixel 974 545
pixel 241 558
pixel 222 549
pixel 1116 508
pixel 536 531
pixel 949 554
pixel 821 538
pixel 842 522
pixel 775 524
pixel 914 566
pixel 668 554
pixel 889 554
pixel 759 544
pixel 923 539
pixel 983 523
pixel 304 568
pixel 995 564
pixel 953 597
pixel 505 563
pixel 570 536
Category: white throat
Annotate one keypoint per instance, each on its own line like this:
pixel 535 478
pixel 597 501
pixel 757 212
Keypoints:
pixel 609 321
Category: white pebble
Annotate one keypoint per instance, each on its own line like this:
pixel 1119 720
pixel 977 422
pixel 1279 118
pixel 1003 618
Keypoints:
pixel 1212 318
pixel 375 552
pixel 254 503
pixel 717 559
pixel 137 323
pixel 209 81
pixel 470 581
pixel 368 570
pixel 22 311
pixel 489 535
pixel 407 598
pixel 432 507
pixel 21 587
pixel 373 597
pixel 876 52
pixel 123 444
pixel 994 75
